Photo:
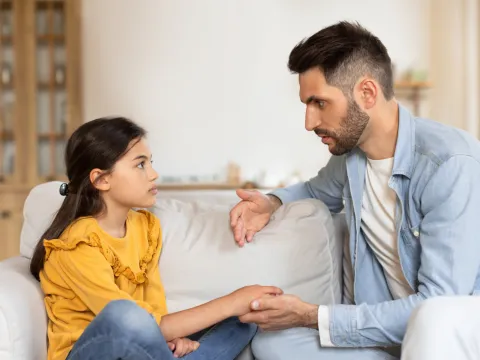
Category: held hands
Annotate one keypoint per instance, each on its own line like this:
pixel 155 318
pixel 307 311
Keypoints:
pixel 239 301
pixel 182 346
pixel 281 312
pixel 250 215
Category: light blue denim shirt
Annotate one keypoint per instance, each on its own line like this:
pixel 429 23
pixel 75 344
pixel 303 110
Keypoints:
pixel 436 177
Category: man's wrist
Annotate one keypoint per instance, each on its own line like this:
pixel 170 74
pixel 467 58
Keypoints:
pixel 275 201
pixel 310 316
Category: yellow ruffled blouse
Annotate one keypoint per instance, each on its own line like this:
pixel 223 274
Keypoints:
pixel 86 268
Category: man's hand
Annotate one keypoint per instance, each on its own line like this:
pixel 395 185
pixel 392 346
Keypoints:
pixel 182 346
pixel 282 312
pixel 251 214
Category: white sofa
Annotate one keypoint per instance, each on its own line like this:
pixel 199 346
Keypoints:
pixel 300 251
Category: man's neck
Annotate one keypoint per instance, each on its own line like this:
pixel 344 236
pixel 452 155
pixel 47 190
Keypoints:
pixel 381 133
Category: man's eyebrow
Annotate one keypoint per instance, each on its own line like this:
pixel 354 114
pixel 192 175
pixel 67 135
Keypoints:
pixel 313 98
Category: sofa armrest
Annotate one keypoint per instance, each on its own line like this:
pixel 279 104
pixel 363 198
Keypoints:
pixel 23 320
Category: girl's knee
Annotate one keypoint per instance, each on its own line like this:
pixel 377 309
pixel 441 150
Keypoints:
pixel 130 319
pixel 248 330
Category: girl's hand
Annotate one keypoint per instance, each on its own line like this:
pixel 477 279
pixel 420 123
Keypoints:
pixel 182 346
pixel 239 301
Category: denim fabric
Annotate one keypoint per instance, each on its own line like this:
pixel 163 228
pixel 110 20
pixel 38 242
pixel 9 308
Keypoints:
pixel 436 178
pixel 123 330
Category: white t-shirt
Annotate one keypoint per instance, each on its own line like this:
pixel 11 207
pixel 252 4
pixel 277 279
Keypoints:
pixel 378 224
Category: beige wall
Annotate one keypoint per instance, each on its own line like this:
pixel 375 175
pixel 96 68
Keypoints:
pixel 455 63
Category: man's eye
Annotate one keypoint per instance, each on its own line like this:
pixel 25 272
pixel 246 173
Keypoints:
pixel 321 103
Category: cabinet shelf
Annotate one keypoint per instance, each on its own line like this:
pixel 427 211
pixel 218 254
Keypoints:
pixel 7 135
pixel 45 39
pixel 6 39
pixel 6 5
pixel 45 86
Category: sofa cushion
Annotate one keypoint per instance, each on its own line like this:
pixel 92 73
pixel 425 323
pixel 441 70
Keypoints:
pixel 298 251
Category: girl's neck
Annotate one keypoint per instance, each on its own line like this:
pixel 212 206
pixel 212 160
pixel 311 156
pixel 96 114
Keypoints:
pixel 113 220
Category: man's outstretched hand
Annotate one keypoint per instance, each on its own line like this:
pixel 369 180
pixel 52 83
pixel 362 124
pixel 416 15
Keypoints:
pixel 251 214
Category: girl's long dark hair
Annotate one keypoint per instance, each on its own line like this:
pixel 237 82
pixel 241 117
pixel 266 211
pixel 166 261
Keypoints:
pixel 97 144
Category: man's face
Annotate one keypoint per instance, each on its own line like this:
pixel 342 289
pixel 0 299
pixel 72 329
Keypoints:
pixel 339 121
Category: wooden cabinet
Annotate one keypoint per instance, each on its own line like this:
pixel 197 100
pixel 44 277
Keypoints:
pixel 11 220
pixel 40 101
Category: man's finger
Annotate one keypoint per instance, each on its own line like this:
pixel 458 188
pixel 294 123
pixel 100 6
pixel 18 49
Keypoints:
pixel 235 214
pixel 242 231
pixel 250 234
pixel 252 317
pixel 238 232
pixel 248 195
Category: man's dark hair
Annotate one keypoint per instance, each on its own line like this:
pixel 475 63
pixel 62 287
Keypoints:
pixel 344 52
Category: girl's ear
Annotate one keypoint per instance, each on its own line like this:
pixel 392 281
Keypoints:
pixel 99 180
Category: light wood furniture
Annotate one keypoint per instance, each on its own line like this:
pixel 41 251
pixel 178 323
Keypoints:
pixel 40 101
pixel 412 90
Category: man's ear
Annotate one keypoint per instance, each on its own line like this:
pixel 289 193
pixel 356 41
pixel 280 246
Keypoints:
pixel 367 90
pixel 99 180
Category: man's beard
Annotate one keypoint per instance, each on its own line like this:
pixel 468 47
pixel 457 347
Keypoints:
pixel 351 129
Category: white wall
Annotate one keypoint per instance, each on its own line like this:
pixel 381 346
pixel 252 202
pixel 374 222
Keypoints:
pixel 209 80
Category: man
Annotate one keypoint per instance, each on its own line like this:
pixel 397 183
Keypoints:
pixel 410 191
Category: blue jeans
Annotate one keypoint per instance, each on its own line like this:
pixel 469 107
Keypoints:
pixel 123 330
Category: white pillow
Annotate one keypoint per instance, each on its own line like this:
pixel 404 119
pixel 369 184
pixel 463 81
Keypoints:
pixel 297 251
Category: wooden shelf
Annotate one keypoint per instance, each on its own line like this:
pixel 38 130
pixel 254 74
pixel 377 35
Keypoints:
pixel 413 91
pixel 412 85
pixel 7 135
pixel 208 186
pixel 48 4
pixel 51 86
pixel 6 39
pixel 50 38
pixel 8 87
pixel 52 136
pixel 6 5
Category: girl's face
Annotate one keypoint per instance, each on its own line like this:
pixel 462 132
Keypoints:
pixel 131 184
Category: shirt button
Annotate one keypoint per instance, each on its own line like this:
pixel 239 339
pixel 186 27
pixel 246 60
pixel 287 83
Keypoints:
pixel 416 233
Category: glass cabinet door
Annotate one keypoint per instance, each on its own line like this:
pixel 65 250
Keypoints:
pixel 8 143
pixel 51 99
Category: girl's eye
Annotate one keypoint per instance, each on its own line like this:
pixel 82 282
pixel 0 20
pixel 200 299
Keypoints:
pixel 141 165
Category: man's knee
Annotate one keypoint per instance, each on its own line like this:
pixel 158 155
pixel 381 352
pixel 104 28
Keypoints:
pixel 292 343
pixel 127 317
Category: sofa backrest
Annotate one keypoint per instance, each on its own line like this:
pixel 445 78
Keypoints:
pixel 299 250
pixel 40 207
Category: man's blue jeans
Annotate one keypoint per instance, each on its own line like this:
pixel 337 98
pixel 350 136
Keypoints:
pixel 123 330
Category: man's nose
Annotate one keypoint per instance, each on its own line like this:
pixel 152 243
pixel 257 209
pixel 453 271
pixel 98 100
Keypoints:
pixel 312 119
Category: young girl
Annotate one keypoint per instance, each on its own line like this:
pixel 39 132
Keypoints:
pixel 98 263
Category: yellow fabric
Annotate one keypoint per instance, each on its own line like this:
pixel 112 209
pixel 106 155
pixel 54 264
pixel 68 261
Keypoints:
pixel 86 268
